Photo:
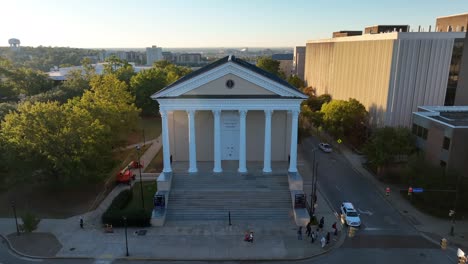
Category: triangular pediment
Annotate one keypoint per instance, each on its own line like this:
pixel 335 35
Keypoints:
pixel 246 79
pixel 230 84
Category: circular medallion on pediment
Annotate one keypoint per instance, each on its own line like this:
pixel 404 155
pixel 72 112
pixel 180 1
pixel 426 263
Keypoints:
pixel 230 84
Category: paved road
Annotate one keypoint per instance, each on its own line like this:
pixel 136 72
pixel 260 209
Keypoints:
pixel 339 182
pixel 385 234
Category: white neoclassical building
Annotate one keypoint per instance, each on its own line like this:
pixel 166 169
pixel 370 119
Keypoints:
pixel 229 110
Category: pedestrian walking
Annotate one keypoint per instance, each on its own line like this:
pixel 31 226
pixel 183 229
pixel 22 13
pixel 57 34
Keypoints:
pixel 335 229
pixel 328 237
pixel 323 241
pixel 312 237
pixel 299 233
pixel 81 222
pixel 308 229
pixel 251 237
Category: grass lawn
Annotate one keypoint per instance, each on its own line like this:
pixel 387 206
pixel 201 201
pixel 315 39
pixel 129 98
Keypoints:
pixel 156 165
pixel 62 203
pixel 149 189
pixel 149 127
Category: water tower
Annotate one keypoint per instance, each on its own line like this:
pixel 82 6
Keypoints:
pixel 14 44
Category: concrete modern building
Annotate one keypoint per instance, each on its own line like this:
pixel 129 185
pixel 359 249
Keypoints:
pixel 286 62
pixel 346 33
pixel 229 110
pixel 442 133
pixel 461 79
pixel 153 54
pixel 377 29
pixel 391 74
pixel 299 61
pixel 452 23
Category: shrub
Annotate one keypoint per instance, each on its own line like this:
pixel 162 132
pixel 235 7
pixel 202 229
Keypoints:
pixel 30 222
pixel 121 200
pixel 116 211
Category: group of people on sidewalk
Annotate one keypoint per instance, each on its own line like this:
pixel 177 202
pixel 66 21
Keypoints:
pixel 314 235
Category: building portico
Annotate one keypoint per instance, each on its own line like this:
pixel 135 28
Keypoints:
pixel 229 110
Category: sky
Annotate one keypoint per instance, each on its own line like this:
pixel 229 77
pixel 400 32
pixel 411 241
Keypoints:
pixel 204 23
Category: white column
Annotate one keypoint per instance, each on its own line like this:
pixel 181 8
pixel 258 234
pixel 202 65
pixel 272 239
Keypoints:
pixel 293 150
pixel 165 140
pixel 242 143
pixel 267 148
pixel 192 142
pixel 217 141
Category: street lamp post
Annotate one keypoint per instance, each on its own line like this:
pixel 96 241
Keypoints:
pixel 457 195
pixel 126 240
pixel 313 191
pixel 13 205
pixel 141 182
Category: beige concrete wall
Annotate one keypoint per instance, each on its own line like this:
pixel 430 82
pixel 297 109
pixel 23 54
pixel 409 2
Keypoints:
pixel 255 135
pixel 204 126
pixel 358 69
pixel 456 23
pixel 204 129
pixel 178 132
pixel 218 87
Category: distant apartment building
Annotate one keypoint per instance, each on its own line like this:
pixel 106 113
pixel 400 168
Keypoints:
pixel 377 29
pixel 153 54
pixel 346 33
pixel 299 61
pixel 286 62
pixel 442 133
pixel 188 58
pixel 391 74
pixel 453 23
pixel 168 56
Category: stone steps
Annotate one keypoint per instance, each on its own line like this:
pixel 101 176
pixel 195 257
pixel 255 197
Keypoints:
pixel 212 197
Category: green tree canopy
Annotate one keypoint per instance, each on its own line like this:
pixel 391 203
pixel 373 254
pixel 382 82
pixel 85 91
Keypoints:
pixel 295 81
pixel 347 119
pixel 387 144
pixel 65 143
pixel 110 101
pixel 270 65
pixel 120 68
pixel 148 82
pixel 145 83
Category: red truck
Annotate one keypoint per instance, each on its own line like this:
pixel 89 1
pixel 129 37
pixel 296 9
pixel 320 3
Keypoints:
pixel 125 176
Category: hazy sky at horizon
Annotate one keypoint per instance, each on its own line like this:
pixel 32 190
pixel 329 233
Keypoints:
pixel 204 23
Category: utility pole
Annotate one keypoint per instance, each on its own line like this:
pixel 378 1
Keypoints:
pixel 141 182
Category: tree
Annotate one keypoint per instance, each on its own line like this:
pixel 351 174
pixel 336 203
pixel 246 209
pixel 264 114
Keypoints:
pixel 109 101
pixel 387 145
pixel 346 119
pixel 28 81
pixel 270 65
pixel 120 68
pixel 295 81
pixel 146 83
pixel 65 143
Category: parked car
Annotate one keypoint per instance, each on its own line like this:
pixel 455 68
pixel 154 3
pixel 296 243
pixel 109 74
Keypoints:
pixel 325 147
pixel 351 216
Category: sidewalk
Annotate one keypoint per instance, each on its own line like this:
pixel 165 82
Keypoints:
pixel 184 240
pixel 432 227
